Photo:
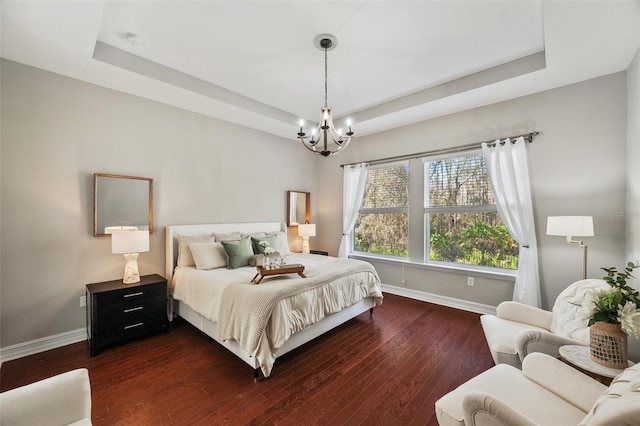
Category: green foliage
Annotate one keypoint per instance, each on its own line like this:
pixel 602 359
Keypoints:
pixel 606 306
pixel 475 237
pixel 478 243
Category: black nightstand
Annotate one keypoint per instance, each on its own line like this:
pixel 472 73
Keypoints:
pixel 117 312
pixel 324 253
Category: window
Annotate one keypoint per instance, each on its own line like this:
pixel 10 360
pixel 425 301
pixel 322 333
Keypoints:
pixel 452 214
pixel 382 226
pixel 463 222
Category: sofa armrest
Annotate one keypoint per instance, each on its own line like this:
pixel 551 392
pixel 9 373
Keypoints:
pixel 483 409
pixel 533 341
pixel 519 312
pixel 562 380
pixel 58 400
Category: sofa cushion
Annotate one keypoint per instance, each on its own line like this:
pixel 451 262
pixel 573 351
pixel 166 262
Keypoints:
pixel 566 321
pixel 620 403
pixel 500 334
pixel 501 382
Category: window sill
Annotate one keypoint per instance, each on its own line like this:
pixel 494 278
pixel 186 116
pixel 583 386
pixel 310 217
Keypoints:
pixel 457 269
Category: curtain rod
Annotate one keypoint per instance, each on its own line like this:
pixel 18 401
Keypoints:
pixel 527 137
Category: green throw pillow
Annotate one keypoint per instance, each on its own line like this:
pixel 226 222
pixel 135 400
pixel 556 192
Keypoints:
pixel 238 252
pixel 259 249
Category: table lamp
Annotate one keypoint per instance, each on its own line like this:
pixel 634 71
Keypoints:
pixel 130 243
pixel 572 226
pixel 305 231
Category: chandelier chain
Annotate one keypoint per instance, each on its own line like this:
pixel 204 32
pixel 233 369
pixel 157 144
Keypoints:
pixel 325 77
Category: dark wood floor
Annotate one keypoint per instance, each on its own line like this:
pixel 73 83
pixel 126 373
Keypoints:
pixel 385 369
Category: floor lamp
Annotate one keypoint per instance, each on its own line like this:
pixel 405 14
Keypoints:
pixel 569 227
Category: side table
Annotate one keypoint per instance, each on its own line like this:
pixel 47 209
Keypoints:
pixel 579 358
pixel 117 312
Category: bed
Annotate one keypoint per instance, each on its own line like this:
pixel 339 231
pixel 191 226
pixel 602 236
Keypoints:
pixel 259 323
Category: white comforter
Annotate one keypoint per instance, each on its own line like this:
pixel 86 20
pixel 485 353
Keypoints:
pixel 202 291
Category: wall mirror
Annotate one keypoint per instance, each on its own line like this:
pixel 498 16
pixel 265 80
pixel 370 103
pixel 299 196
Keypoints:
pixel 298 207
pixel 122 201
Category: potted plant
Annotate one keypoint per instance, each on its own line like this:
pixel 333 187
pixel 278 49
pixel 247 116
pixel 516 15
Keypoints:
pixel 613 313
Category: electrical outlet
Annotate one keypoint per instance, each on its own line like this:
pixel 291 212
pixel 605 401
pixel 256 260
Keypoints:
pixel 470 281
pixel 83 301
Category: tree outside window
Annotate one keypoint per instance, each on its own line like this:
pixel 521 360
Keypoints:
pixel 382 226
pixel 462 224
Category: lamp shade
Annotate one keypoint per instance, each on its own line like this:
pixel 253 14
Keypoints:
pixel 307 230
pixel 129 242
pixel 570 226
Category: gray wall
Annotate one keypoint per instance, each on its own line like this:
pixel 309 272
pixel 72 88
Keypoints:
pixel 577 167
pixel 57 132
pixel 633 162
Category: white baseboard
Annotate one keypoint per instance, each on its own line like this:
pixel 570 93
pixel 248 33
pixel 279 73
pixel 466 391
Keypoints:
pixel 440 300
pixel 43 344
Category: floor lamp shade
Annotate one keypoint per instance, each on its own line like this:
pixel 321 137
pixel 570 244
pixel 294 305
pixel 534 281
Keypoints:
pixel 572 226
pixel 305 231
pixel 130 244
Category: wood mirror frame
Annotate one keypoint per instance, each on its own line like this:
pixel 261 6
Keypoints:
pixel 298 207
pixel 122 201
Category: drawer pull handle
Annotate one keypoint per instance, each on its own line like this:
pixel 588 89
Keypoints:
pixel 126 327
pixel 140 293
pixel 133 309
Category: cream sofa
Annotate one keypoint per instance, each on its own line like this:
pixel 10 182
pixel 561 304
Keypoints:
pixel 64 399
pixel 546 392
pixel 517 329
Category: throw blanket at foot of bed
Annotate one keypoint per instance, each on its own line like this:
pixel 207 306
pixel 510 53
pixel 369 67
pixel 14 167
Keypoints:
pixel 246 309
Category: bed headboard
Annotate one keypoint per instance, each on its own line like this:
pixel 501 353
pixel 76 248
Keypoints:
pixel 174 230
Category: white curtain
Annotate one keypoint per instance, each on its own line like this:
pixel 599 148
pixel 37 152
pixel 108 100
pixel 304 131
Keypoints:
pixel 355 178
pixel 508 169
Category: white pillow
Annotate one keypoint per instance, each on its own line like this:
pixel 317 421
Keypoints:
pixel 184 253
pixel 230 236
pixel 208 255
pixel 282 244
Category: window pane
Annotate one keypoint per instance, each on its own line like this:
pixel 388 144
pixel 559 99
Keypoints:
pixel 460 181
pixel 387 187
pixel 472 239
pixel 382 233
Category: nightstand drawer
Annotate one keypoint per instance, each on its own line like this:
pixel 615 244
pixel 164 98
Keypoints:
pixel 111 319
pixel 132 295
pixel 124 307
pixel 129 331
pixel 117 312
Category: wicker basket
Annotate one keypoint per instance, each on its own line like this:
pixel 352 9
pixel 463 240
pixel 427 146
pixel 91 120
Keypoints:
pixel 609 345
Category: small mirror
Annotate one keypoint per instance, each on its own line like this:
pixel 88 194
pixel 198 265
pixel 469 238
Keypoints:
pixel 298 208
pixel 122 201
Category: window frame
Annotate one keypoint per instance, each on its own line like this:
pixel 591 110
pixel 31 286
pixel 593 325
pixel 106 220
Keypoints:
pixel 418 219
pixel 383 210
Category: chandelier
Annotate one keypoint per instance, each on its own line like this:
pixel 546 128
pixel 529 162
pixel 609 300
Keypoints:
pixel 325 135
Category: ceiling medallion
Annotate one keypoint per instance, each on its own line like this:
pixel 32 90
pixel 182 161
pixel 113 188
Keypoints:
pixel 329 139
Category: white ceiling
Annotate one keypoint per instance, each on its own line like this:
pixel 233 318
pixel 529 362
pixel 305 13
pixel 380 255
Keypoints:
pixel 254 62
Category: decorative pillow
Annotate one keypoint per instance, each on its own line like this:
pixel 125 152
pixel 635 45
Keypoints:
pixel 254 234
pixel 184 252
pixel 229 236
pixel 208 255
pixel 256 259
pixel 238 252
pixel 282 244
pixel 259 248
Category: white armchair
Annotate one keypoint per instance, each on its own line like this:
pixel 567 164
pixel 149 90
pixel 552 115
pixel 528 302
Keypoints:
pixel 546 392
pixel 518 330
pixel 64 399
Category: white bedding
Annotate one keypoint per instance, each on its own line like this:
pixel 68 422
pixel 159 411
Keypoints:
pixel 202 291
